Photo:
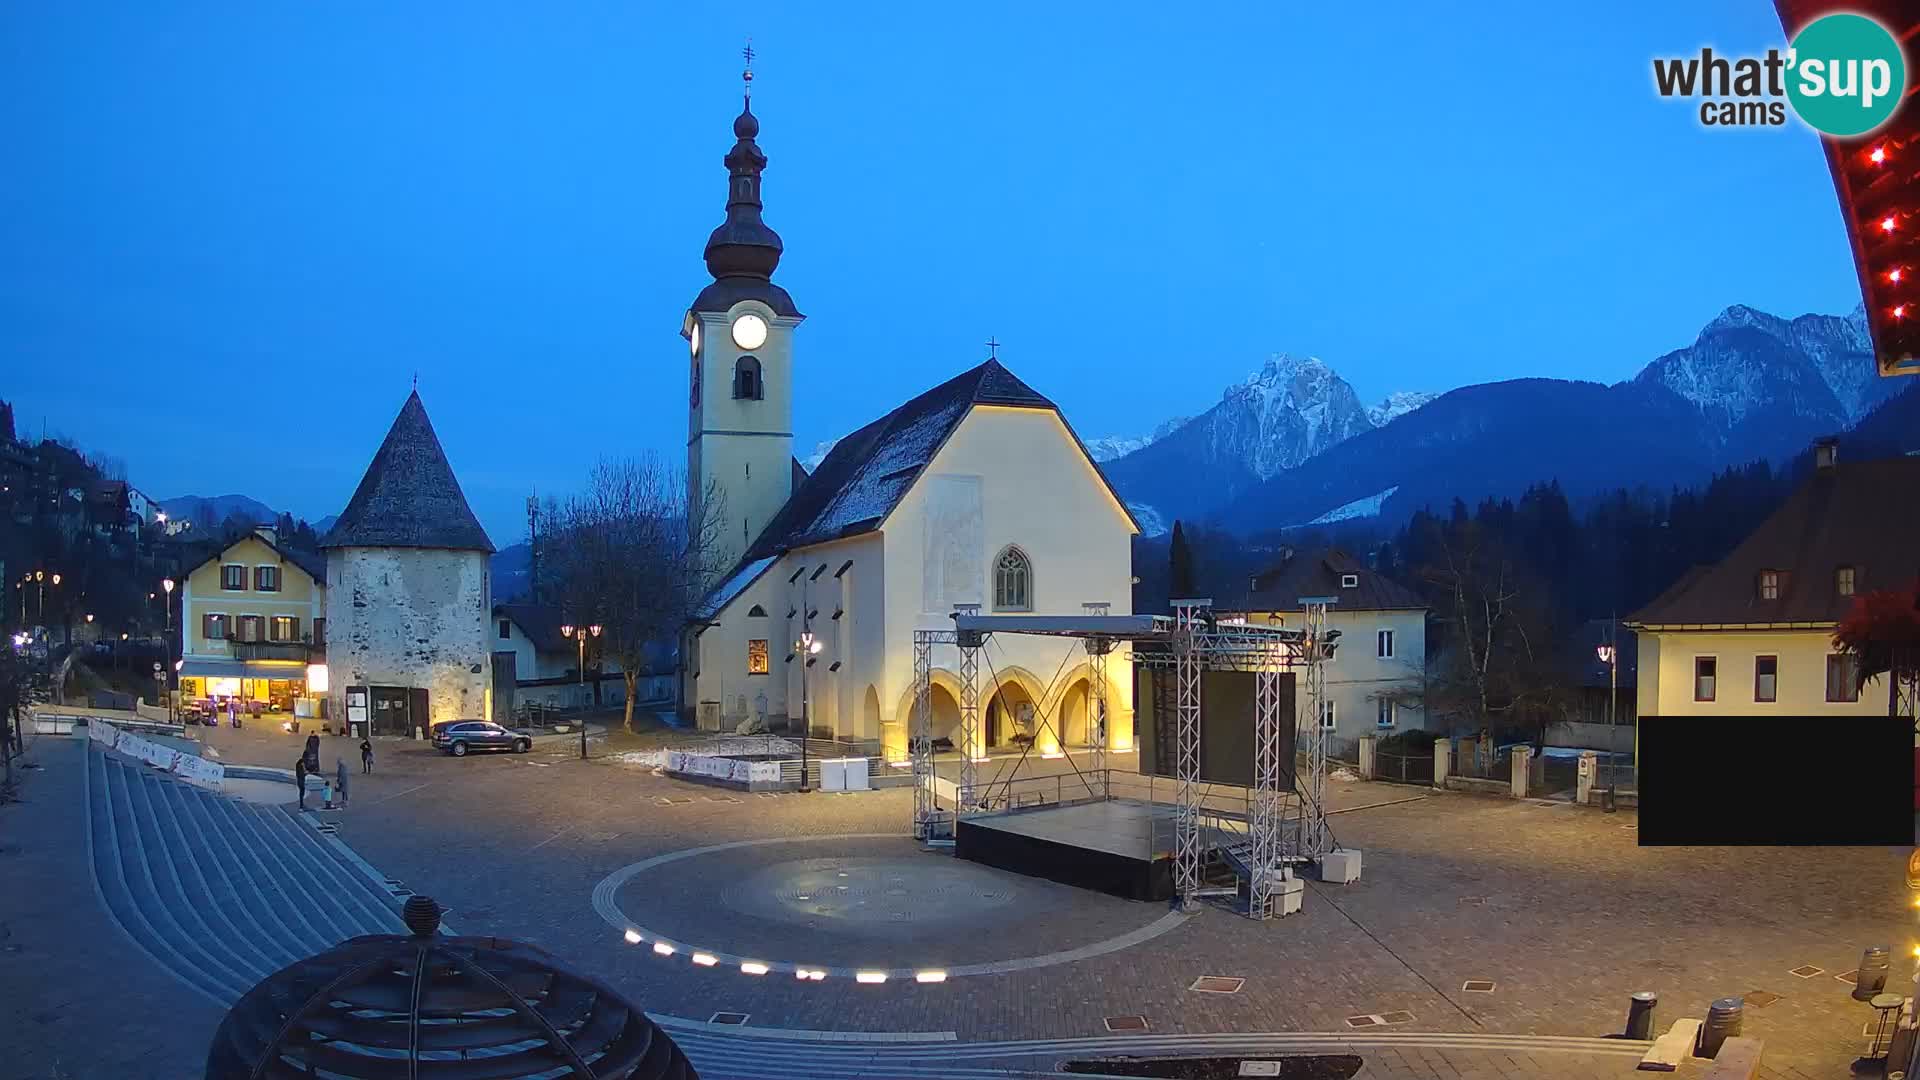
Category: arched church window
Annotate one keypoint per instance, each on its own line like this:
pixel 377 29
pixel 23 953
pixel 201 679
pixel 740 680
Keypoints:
pixel 1012 581
pixel 746 379
pixel 757 612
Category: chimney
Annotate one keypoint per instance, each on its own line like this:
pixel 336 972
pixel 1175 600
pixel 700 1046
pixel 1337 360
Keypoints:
pixel 1826 452
pixel 268 533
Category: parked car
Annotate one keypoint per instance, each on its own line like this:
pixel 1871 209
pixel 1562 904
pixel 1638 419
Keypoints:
pixel 460 736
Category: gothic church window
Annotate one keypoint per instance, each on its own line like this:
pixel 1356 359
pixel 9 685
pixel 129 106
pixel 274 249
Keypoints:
pixel 746 379
pixel 1012 581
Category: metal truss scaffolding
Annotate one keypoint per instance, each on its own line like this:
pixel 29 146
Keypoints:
pixel 1314 836
pixel 1280 831
pixel 1186 749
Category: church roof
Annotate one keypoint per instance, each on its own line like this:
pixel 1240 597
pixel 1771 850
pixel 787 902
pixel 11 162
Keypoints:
pixel 409 497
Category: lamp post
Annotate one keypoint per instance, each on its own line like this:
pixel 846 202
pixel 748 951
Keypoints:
pixel 1611 657
pixel 580 635
pixel 809 646
pixel 166 641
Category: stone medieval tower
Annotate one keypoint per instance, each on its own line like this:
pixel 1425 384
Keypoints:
pixel 408 594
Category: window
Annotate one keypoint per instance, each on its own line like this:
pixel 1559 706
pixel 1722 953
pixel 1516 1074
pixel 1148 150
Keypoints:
pixel 248 628
pixel 757 656
pixel 1704 670
pixel 746 379
pixel 757 612
pixel 1843 581
pixel 1349 581
pixel 1384 644
pixel 1388 713
pixel 1766 678
pixel 213 627
pixel 283 628
pixel 506 629
pixel 1328 715
pixel 1769 586
pixel 266 579
pixel 1843 677
pixel 233 577
pixel 1012 581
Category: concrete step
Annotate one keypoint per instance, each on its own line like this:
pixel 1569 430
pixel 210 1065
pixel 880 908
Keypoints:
pixel 218 891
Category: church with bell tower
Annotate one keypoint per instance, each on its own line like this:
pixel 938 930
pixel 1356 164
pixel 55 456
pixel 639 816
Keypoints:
pixel 975 493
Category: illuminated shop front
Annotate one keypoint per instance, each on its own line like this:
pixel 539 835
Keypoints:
pixel 277 686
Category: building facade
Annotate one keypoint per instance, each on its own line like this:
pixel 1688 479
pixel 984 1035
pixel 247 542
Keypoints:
pixel 408 594
pixel 253 625
pixel 1376 681
pixel 1753 634
pixel 974 493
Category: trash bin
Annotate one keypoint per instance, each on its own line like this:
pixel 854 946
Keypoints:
pixel 1640 1015
pixel 1722 1023
pixel 1871 979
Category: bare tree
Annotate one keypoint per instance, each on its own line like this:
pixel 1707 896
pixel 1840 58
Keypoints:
pixel 625 554
pixel 1495 665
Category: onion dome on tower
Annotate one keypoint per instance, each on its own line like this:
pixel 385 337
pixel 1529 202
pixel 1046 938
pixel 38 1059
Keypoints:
pixel 743 252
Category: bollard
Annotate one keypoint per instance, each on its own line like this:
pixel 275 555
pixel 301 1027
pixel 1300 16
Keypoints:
pixel 1871 979
pixel 1722 1023
pixel 1640 1014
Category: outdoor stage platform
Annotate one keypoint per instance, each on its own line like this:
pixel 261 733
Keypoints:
pixel 1119 846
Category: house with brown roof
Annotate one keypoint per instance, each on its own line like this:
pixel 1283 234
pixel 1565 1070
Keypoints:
pixel 1376 681
pixel 1753 634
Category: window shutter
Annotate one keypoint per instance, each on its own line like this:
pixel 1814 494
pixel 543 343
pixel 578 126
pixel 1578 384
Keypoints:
pixel 294 628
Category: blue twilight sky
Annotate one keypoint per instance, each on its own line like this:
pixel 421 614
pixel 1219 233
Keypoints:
pixel 230 233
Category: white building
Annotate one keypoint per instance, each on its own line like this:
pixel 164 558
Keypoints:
pixel 1752 635
pixel 535 664
pixel 976 492
pixel 1376 682
pixel 408 595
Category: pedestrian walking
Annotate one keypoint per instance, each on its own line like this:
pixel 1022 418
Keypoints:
pixel 366 755
pixel 340 771
pixel 300 780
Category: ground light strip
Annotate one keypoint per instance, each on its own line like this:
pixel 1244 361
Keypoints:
pixel 609 909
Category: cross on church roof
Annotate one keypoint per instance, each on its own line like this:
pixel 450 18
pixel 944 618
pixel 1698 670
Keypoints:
pixel 993 349
pixel 747 75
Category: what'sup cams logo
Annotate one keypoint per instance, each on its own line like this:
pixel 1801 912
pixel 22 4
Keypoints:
pixel 1842 75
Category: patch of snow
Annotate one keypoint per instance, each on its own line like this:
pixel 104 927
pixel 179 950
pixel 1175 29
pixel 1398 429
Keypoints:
pixel 1343 774
pixel 1151 523
pixel 1358 508
pixel 1398 404
pixel 736 583
pixel 886 475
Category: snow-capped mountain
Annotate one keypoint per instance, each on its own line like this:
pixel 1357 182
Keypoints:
pixel 820 451
pixel 1768 384
pixel 1751 386
pixel 1397 405
pixel 1282 415
pixel 1108 447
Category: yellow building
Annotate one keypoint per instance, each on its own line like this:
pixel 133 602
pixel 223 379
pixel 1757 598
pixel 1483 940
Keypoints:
pixel 253 625
pixel 1753 634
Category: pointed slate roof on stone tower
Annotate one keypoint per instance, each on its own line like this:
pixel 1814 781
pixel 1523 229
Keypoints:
pixel 409 497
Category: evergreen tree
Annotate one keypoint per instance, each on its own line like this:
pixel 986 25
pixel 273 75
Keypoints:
pixel 1181 580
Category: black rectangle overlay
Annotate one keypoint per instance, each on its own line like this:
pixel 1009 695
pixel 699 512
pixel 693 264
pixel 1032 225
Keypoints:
pixel 1836 781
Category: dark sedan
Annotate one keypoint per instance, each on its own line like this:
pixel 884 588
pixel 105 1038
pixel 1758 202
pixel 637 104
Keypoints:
pixel 459 737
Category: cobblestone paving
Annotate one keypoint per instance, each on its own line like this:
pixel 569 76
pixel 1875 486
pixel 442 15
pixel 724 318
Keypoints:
pixel 1554 904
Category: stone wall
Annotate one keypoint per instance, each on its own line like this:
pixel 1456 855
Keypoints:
pixel 413 617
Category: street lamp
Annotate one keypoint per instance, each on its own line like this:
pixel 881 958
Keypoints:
pixel 809 647
pixel 1611 657
pixel 166 641
pixel 580 635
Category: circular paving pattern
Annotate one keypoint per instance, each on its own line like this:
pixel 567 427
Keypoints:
pixel 877 907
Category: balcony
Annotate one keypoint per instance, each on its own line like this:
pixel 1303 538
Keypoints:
pixel 273 650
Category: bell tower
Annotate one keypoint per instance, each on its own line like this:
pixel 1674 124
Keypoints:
pixel 739 335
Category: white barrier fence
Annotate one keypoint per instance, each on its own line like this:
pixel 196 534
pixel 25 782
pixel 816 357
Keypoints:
pixel 189 767
pixel 712 766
